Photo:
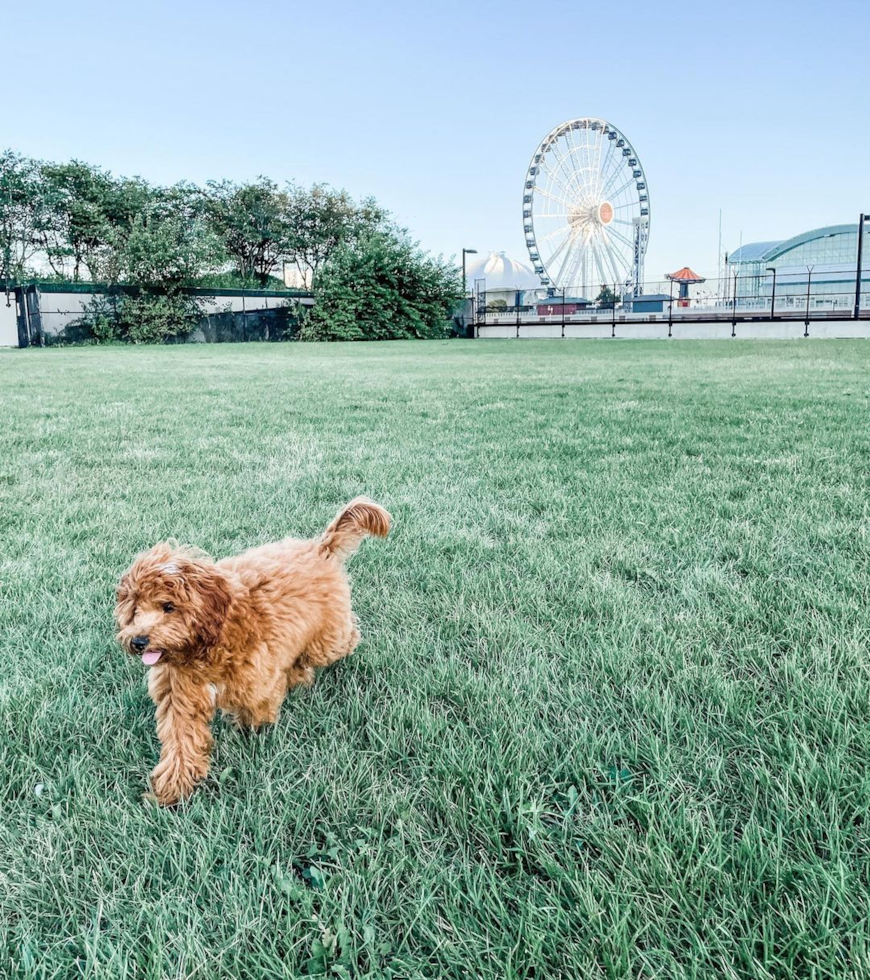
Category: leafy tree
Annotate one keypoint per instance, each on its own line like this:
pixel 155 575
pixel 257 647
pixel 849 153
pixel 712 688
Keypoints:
pixel 161 244
pixel 20 213
pixel 606 299
pixel 251 221
pixel 382 287
pixel 321 220
pixel 167 242
pixel 74 225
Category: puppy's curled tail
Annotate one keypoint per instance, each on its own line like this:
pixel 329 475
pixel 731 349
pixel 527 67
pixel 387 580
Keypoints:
pixel 358 519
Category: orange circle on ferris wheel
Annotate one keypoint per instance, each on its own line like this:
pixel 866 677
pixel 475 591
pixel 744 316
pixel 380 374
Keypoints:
pixel 605 213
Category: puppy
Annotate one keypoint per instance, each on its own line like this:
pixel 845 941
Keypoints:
pixel 236 634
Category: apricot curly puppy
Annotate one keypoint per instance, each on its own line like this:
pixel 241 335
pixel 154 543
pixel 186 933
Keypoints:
pixel 236 634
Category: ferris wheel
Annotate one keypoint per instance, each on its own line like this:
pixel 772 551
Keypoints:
pixel 586 209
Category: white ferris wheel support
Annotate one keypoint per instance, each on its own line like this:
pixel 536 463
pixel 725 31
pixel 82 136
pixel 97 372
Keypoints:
pixel 586 210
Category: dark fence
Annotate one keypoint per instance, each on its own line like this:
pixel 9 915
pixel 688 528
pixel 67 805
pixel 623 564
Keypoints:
pixel 63 313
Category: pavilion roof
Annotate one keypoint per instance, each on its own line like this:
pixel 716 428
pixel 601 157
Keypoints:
pixel 686 275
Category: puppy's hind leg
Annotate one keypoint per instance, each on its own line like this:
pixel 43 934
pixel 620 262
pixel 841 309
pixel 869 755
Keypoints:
pixel 332 646
pixel 300 675
pixel 256 696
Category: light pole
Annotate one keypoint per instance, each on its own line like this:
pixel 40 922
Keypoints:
pixel 861 220
pixel 465 251
pixel 809 282
pixel 734 309
pixel 773 292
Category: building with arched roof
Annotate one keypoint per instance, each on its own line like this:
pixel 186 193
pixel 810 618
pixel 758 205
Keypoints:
pixel 824 259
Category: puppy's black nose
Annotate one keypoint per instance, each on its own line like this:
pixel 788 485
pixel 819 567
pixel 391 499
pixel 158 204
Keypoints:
pixel 139 642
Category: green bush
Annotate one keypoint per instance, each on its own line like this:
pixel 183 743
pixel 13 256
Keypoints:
pixel 382 287
pixel 141 317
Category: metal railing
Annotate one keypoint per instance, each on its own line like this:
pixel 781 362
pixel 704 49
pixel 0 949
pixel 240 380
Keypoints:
pixel 817 293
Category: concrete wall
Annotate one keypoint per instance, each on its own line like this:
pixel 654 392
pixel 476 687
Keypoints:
pixel 60 309
pixel 8 322
pixel 681 331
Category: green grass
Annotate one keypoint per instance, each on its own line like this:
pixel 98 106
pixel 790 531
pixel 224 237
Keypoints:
pixel 609 717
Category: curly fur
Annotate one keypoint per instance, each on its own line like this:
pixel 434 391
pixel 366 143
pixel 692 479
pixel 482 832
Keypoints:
pixel 237 634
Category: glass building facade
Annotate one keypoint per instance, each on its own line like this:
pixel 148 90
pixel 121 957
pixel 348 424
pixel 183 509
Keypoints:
pixel 821 263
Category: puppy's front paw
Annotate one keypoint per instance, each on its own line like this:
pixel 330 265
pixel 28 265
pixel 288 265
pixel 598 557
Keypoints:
pixel 164 793
pixel 171 786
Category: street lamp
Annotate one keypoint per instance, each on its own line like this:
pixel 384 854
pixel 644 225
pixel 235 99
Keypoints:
pixel 773 292
pixel 466 251
pixel 861 220
pixel 809 283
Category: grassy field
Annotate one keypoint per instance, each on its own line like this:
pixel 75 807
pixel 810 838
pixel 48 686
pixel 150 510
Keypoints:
pixel 609 717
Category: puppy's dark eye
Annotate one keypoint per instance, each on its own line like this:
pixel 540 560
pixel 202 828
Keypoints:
pixel 168 607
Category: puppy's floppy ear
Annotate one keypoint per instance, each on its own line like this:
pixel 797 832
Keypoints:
pixel 210 597
pixel 123 600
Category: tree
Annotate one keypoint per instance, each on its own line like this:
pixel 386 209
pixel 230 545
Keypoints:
pixel 20 213
pixel 160 245
pixel 251 221
pixel 382 287
pixel 321 220
pixel 606 299
pixel 74 226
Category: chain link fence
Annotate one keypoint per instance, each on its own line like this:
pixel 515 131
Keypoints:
pixel 63 313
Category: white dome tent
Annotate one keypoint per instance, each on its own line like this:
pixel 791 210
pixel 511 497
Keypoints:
pixel 503 278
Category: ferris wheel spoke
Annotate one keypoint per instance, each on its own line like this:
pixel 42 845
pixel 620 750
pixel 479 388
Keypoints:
pixel 564 187
pixel 557 180
pixel 552 197
pixel 588 169
pixel 616 262
pixel 568 275
pixel 608 273
pixel 601 270
pixel 556 231
pixel 551 261
pixel 567 261
pixel 622 238
pixel 578 147
pixel 598 168
pixel 627 184
pixel 601 260
pixel 609 188
pixel 606 168
pixel 591 192
pixel 571 142
pixel 564 163
pixel 616 275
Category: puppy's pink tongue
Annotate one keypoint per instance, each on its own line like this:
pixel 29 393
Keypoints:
pixel 150 657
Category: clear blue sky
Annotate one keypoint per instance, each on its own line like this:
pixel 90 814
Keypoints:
pixel 760 109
